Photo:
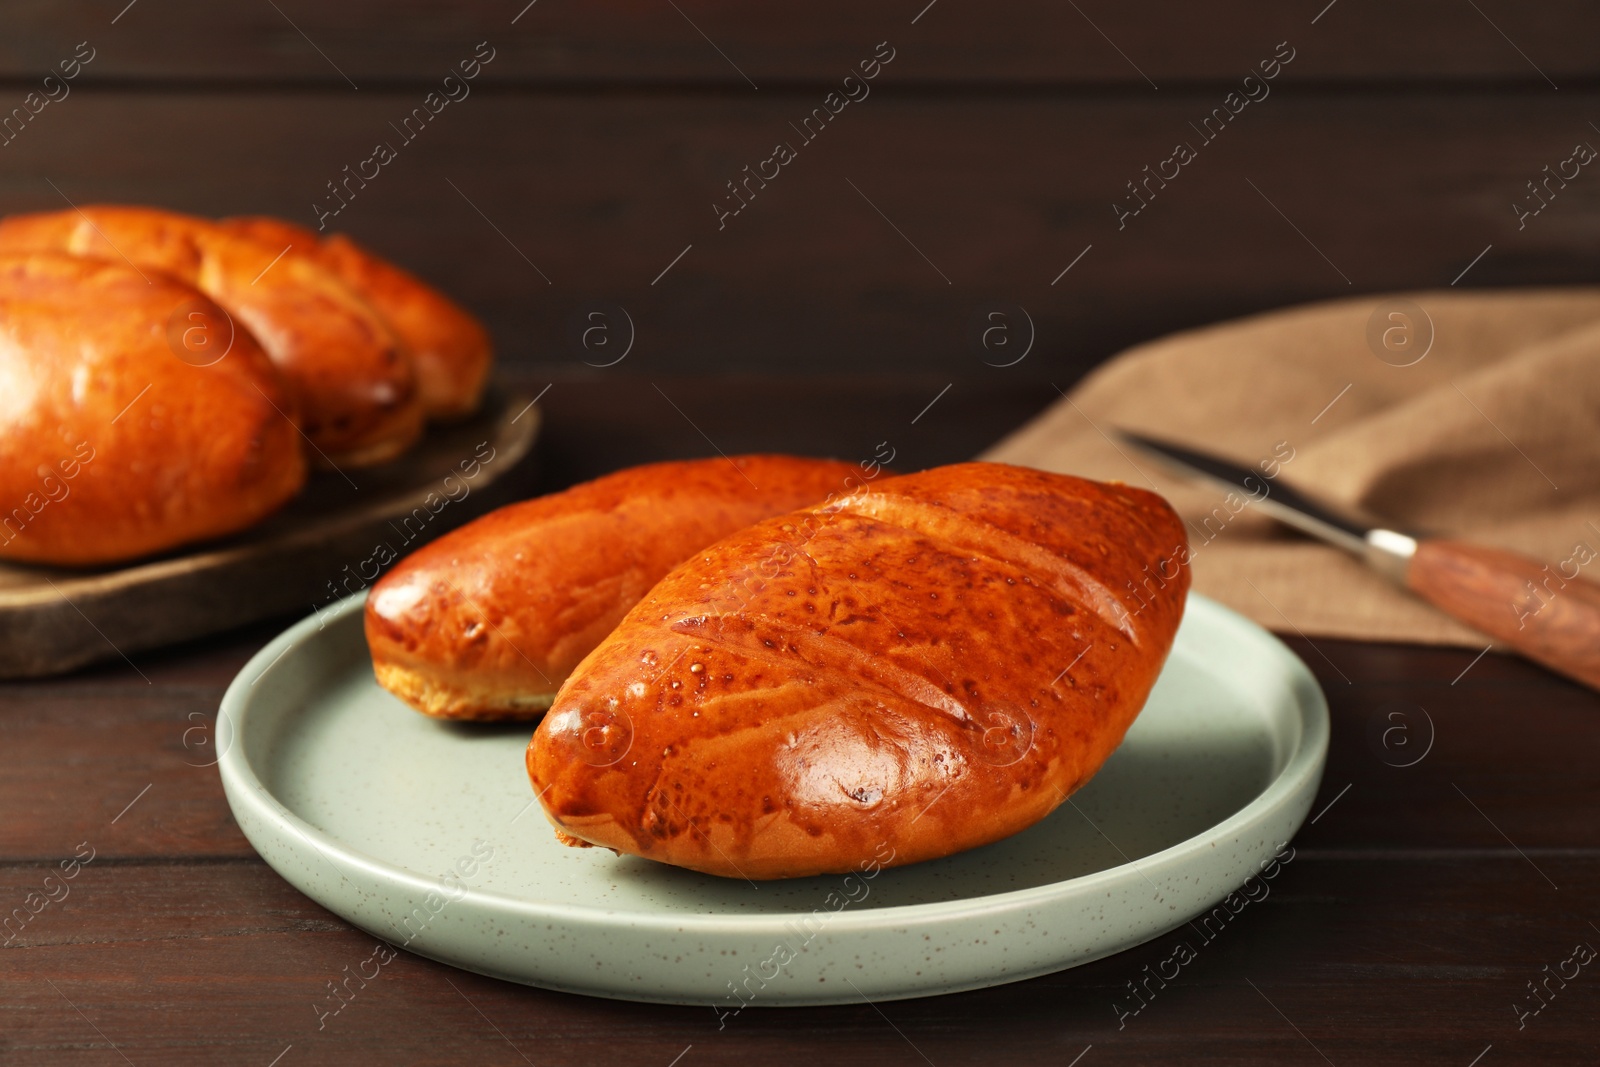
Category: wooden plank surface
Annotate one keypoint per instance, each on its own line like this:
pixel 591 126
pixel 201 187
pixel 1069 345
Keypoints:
pixel 721 42
pixel 1423 898
pixel 224 961
pixel 1419 903
pixel 887 239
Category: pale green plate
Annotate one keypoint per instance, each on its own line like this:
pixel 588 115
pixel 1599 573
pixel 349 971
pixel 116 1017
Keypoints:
pixel 425 834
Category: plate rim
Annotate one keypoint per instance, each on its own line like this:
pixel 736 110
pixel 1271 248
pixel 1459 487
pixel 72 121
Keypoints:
pixel 242 785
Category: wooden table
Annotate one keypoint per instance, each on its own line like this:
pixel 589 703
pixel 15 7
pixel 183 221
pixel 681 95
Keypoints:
pixel 587 169
pixel 1421 900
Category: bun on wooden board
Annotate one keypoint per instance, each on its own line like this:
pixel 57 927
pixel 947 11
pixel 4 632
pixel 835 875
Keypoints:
pixel 928 664
pixel 487 621
pixel 351 377
pixel 449 347
pixel 111 446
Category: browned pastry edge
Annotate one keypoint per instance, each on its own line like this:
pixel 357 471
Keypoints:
pixel 450 348
pixel 485 622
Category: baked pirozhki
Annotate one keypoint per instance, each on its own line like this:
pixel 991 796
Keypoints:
pixel 112 447
pixel 449 347
pixel 353 381
pixel 487 621
pixel 926 665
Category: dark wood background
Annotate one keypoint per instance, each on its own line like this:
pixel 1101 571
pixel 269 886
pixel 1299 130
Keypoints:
pixel 1421 901
pixel 601 134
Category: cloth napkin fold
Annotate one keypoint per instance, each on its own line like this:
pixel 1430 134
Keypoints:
pixel 1469 414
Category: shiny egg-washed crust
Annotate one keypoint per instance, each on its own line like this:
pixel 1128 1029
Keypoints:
pixel 111 447
pixel 487 621
pixel 449 347
pixel 927 665
pixel 353 382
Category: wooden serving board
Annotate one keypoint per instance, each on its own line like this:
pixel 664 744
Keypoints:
pixel 331 541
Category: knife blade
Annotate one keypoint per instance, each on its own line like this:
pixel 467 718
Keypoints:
pixel 1387 550
pixel 1547 614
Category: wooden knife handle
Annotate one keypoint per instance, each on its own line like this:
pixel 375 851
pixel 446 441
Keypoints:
pixel 1531 606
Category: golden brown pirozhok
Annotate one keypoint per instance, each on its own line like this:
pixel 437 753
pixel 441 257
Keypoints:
pixel 929 664
pixel 111 447
pixel 449 347
pixel 487 621
pixel 352 380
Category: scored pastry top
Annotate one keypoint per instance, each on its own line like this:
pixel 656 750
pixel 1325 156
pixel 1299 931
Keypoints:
pixel 929 663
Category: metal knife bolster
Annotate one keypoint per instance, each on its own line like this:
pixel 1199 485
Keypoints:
pixel 1390 552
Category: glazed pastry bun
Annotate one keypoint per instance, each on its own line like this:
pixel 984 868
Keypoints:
pixel 352 379
pixel 449 347
pixel 487 621
pixel 116 441
pixel 926 665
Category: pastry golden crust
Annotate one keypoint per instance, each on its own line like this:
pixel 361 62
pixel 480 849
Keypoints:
pixel 487 621
pixel 352 380
pixel 113 447
pixel 929 664
pixel 450 348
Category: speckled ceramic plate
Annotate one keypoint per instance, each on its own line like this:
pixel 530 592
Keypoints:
pixel 426 834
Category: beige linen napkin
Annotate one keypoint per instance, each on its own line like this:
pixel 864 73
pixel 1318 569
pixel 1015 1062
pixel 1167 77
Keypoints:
pixel 1492 435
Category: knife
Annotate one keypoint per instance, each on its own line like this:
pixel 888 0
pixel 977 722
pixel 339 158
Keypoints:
pixel 1548 613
